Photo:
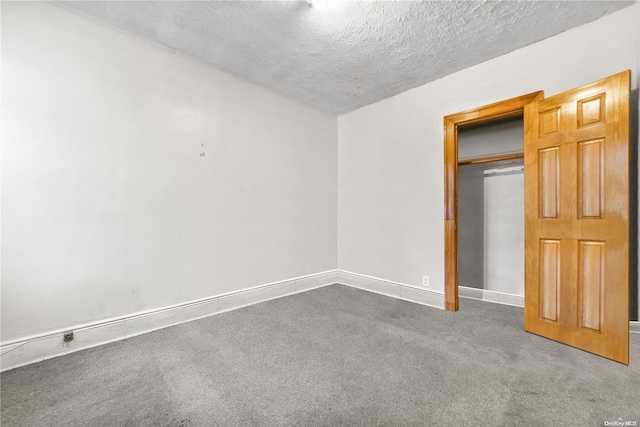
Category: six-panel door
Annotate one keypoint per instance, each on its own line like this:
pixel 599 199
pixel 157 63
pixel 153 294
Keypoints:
pixel 577 217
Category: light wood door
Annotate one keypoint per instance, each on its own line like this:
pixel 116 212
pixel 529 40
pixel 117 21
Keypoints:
pixel 577 217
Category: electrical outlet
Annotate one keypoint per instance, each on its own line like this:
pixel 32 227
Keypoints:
pixel 425 281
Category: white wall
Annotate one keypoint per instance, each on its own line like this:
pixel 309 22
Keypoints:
pixel 108 207
pixel 504 233
pixel 491 226
pixel 390 169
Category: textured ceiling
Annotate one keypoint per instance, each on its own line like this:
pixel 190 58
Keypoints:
pixel 338 56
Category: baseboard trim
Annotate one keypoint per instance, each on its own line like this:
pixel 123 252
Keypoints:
pixel 634 327
pixel 33 349
pixel 45 346
pixel 391 288
pixel 491 296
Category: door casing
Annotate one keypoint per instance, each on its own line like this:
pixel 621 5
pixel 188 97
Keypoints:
pixel 487 113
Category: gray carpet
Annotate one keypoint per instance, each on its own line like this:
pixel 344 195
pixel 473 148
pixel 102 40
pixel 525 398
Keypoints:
pixel 335 356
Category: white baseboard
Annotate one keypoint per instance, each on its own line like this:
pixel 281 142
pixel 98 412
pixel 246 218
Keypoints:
pixel 490 296
pixel 391 289
pixel 34 349
pixel 634 327
pixel 46 346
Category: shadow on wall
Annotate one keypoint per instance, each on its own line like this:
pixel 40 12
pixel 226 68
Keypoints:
pixel 471 226
pixel 633 210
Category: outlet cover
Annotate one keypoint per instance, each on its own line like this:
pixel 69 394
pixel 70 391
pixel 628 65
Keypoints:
pixel 425 281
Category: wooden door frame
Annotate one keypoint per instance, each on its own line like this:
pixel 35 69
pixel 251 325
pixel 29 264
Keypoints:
pixel 487 113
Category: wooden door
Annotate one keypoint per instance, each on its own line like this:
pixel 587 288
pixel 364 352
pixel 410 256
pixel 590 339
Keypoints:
pixel 577 217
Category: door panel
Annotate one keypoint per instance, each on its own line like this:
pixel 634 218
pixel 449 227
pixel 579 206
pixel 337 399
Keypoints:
pixel 590 178
pixel 549 178
pixel 577 217
pixel 549 279
pixel 591 268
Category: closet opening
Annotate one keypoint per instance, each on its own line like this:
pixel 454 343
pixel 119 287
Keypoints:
pixel 491 210
pixel 496 113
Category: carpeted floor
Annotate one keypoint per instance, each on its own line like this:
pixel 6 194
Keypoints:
pixel 335 356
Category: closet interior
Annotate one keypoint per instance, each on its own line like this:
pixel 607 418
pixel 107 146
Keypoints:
pixel 491 206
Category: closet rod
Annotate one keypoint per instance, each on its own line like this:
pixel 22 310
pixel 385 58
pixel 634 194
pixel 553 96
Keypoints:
pixel 491 158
